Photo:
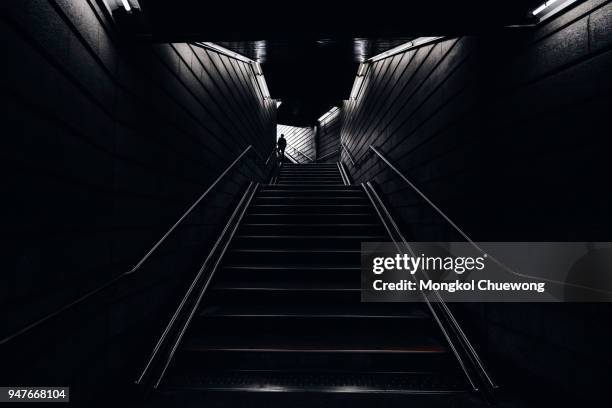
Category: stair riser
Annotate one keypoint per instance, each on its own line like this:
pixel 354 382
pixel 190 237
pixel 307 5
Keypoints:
pixel 310 200
pixel 311 193
pixel 310 174
pixel 334 172
pixel 309 209
pixel 296 177
pixel 312 166
pixel 310 182
pixel 311 278
pixel 424 362
pixel 302 258
pixel 347 397
pixel 336 302
pixel 289 297
pixel 307 219
pixel 275 187
pixel 311 229
pixel 308 330
pixel 304 242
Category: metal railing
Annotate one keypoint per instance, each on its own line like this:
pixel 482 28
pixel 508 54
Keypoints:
pixel 120 278
pixel 190 302
pixel 348 154
pixel 471 364
pixel 296 150
pixel 337 151
pixel 291 158
pixel 344 174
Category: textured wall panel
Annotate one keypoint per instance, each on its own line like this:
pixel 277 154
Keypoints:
pixel 300 142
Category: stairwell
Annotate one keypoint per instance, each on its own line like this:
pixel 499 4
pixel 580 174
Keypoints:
pixel 283 321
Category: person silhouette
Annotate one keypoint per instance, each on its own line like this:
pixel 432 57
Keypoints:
pixel 281 143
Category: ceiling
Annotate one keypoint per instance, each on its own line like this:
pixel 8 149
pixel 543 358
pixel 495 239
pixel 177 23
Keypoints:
pixel 310 76
pixel 310 50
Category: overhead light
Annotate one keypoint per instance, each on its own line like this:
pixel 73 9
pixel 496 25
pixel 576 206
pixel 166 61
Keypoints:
pixel 330 113
pixel 263 86
pixel 278 103
pixel 224 51
pixel 539 9
pixel 362 69
pixel 542 7
pixel 257 68
pixel 361 73
pixel 405 47
pixel 395 50
pixel 550 8
pixel 356 86
pixel 128 5
pixel 259 76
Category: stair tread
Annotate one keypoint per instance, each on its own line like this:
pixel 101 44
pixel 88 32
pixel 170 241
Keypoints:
pixel 333 382
pixel 335 224
pixel 312 205
pixel 306 214
pixel 312 197
pixel 306 347
pixel 284 286
pixel 284 236
pixel 292 267
pixel 298 250
pixel 307 311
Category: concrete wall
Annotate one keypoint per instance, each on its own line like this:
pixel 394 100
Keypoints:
pixel 328 138
pixel 300 138
pixel 105 144
pixel 509 135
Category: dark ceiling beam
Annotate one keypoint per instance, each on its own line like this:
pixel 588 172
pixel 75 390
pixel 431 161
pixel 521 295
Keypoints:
pixel 197 20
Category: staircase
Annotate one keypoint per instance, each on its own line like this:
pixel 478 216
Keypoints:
pixel 283 325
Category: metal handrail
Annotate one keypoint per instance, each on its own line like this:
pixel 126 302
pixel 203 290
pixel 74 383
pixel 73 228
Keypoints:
pixel 291 158
pixel 344 173
pixel 300 152
pixel 341 174
pixel 410 45
pixel 393 228
pixel 455 325
pixel 348 153
pixel 328 155
pixel 186 213
pixel 112 282
pixel 240 208
pixel 228 240
pixel 272 153
pixel 468 239
pixel 419 192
